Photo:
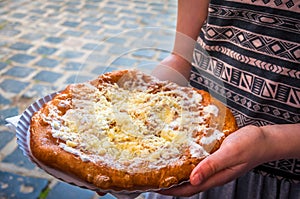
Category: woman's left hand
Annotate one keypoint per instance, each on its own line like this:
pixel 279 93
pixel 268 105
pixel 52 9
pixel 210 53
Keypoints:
pixel 240 152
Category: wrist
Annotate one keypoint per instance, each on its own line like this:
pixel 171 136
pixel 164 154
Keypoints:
pixel 271 152
pixel 283 141
pixel 184 46
pixel 179 64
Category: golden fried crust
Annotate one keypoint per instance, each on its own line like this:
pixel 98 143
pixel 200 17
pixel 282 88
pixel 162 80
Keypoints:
pixel 46 149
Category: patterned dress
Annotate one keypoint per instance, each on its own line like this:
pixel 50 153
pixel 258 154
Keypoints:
pixel 251 62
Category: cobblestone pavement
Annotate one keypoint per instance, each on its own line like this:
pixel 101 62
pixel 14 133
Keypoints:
pixel 45 45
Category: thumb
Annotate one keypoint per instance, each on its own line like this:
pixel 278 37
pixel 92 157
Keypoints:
pixel 211 165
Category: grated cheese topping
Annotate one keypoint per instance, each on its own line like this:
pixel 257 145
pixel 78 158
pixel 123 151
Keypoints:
pixel 133 122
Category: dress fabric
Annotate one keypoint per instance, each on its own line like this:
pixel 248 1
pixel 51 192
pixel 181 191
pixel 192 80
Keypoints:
pixel 248 57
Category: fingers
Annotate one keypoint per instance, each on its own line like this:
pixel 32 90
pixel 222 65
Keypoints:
pixel 222 177
pixel 216 162
pixel 166 72
pixel 203 171
pixel 184 190
pixel 233 157
pixel 226 164
pixel 219 178
pixel 208 173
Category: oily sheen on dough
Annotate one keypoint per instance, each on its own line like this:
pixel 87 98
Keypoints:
pixel 127 130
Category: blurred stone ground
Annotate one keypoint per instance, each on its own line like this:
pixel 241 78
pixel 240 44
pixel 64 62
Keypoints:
pixel 45 45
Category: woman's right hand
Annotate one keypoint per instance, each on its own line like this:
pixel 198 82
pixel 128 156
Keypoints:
pixel 173 68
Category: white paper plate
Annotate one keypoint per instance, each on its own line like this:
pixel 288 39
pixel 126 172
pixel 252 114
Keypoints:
pixel 23 140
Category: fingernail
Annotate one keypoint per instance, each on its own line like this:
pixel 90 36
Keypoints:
pixel 196 179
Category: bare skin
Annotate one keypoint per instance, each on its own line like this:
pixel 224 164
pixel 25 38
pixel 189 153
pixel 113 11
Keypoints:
pixel 191 15
pixel 243 150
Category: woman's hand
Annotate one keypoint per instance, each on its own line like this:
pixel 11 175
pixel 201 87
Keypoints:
pixel 173 68
pixel 240 152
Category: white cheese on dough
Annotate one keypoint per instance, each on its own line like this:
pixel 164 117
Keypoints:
pixel 127 122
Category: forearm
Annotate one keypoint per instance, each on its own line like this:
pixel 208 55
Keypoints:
pixel 283 140
pixel 191 15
